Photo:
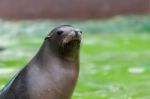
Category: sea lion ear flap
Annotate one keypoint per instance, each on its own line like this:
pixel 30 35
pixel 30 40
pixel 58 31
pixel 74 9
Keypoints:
pixel 47 37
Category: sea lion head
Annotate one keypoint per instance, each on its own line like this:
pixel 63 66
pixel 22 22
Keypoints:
pixel 67 39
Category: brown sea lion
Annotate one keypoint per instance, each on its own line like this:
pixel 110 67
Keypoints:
pixel 53 71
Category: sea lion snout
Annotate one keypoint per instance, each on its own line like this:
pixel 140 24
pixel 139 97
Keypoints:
pixel 77 33
pixel 74 35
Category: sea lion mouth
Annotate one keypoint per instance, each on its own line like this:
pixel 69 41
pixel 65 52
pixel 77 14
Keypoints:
pixel 71 46
pixel 73 43
pixel 72 40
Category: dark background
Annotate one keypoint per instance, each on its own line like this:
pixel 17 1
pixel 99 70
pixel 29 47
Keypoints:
pixel 70 9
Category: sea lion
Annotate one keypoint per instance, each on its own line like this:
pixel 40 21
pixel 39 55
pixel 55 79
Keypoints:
pixel 53 71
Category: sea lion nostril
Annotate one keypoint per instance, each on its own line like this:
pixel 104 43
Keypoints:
pixel 76 33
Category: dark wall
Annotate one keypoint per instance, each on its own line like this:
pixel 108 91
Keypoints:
pixel 70 9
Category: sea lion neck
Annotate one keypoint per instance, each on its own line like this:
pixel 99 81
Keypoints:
pixel 56 68
pixel 47 50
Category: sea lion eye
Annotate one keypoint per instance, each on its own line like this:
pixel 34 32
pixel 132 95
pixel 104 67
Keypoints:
pixel 59 32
